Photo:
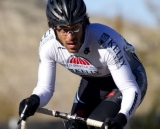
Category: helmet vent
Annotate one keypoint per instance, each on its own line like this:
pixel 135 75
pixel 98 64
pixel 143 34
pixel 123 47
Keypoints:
pixel 65 12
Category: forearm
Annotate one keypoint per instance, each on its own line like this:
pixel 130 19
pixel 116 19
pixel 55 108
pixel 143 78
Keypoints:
pixel 45 94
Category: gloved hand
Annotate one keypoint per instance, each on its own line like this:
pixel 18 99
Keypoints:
pixel 32 104
pixel 112 124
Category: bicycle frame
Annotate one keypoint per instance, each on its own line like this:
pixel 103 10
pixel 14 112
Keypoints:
pixel 66 116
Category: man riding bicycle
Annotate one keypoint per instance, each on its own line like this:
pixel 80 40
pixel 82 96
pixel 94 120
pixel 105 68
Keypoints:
pixel 114 80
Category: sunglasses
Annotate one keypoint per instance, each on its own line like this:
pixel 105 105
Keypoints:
pixel 65 30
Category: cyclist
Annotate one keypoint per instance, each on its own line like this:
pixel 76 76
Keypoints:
pixel 114 80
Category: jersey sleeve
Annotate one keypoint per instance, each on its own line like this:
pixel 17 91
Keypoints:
pixel 126 83
pixel 46 75
pixel 123 77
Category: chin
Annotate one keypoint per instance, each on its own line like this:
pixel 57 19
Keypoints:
pixel 72 51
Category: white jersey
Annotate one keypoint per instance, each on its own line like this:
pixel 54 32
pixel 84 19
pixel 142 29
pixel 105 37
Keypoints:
pixel 103 53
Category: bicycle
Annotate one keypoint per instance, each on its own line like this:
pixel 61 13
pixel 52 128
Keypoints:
pixel 62 115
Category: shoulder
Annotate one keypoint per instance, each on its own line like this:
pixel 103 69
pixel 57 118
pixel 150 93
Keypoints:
pixel 103 33
pixel 48 35
pixel 47 40
pixel 48 44
pixel 102 30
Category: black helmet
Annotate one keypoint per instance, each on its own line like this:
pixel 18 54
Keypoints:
pixel 65 12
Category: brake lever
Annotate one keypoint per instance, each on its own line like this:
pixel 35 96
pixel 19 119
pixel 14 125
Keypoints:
pixel 22 116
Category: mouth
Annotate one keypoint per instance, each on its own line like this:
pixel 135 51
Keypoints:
pixel 71 45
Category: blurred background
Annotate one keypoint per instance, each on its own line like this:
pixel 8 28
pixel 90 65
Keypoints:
pixel 22 24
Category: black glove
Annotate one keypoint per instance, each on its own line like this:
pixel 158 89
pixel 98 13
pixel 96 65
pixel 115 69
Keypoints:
pixel 112 124
pixel 32 104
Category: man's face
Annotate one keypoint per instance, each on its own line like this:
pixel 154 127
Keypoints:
pixel 70 36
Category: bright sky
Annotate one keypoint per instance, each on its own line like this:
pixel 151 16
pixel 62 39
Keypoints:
pixel 134 10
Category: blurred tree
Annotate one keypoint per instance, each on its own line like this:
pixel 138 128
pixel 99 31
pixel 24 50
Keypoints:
pixel 154 8
pixel 118 20
pixel 118 23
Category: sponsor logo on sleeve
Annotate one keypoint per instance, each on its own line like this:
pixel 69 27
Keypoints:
pixel 103 39
pixel 46 37
pixel 111 46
